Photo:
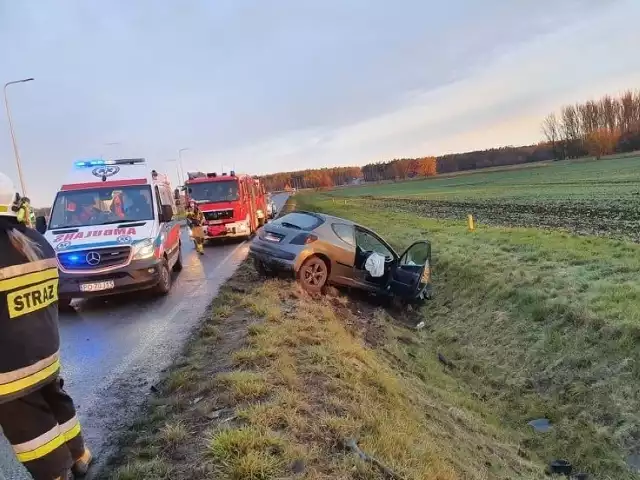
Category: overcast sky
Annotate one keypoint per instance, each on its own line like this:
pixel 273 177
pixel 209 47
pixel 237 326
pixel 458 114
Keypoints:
pixel 290 84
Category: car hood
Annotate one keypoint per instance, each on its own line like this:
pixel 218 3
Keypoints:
pixel 77 238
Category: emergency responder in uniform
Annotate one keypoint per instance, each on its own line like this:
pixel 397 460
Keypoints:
pixel 25 215
pixel 195 220
pixel 37 416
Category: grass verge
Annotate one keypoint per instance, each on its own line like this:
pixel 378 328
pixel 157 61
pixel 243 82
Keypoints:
pixel 537 323
pixel 276 382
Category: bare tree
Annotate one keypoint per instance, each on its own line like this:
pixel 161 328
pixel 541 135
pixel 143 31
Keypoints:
pixel 609 113
pixel 551 131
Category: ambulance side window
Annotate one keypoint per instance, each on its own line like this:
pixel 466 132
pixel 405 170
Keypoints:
pixel 158 203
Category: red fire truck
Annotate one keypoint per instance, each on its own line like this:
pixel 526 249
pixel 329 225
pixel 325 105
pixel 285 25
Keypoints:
pixel 233 205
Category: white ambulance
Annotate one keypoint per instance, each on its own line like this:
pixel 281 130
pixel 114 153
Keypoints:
pixel 113 230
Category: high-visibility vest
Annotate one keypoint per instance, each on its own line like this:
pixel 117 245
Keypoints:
pixel 29 338
pixel 24 215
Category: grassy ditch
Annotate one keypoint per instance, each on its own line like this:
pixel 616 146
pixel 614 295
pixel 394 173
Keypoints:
pixel 537 324
pixel 276 382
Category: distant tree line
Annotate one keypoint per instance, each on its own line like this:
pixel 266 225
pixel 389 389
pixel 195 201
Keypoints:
pixel 596 127
pixel 404 168
pixel 312 178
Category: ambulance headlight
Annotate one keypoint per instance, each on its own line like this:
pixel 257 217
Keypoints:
pixel 143 250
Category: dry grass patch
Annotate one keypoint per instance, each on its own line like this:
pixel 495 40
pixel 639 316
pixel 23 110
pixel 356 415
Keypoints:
pixel 244 385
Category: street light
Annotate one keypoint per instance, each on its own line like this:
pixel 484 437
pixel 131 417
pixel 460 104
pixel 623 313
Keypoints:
pixel 177 169
pixel 13 135
pixel 180 160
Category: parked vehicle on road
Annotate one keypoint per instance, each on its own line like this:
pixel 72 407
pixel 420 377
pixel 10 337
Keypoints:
pixel 272 210
pixel 233 205
pixel 113 230
pixel 320 249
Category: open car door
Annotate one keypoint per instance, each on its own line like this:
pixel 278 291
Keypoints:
pixel 411 277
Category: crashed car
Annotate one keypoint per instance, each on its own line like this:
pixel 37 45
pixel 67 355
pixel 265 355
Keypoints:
pixel 321 249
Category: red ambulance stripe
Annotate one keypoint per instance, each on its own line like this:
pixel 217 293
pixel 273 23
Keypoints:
pixel 113 183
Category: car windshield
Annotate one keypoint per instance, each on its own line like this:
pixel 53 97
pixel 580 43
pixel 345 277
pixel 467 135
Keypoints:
pixel 101 206
pixel 221 191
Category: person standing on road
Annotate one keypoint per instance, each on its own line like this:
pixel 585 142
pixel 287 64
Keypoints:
pixel 36 415
pixel 195 220
pixel 24 215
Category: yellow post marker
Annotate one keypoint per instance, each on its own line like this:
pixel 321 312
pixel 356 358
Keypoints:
pixel 472 225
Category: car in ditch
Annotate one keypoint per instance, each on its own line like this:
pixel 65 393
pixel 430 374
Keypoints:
pixel 322 249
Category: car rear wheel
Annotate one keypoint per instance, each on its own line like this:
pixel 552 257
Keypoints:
pixel 313 275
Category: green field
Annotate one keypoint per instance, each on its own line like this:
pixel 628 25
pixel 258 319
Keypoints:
pixel 539 323
pixel 579 180
pixel 598 197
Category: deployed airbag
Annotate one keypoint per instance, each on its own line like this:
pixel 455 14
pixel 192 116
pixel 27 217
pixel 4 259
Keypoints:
pixel 375 265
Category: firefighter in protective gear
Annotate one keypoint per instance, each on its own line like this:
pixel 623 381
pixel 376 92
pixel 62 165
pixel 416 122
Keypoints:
pixel 25 215
pixel 36 415
pixel 195 220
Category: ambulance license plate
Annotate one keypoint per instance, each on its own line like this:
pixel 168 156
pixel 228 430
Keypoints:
pixel 97 286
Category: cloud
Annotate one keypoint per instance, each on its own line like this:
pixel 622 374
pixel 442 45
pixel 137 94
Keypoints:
pixel 501 103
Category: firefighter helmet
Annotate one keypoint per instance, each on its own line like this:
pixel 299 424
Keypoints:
pixel 9 197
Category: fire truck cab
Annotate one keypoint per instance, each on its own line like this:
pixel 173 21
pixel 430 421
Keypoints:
pixel 233 205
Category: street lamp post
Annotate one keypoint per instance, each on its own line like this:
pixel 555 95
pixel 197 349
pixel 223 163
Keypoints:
pixel 13 135
pixel 180 161
pixel 177 170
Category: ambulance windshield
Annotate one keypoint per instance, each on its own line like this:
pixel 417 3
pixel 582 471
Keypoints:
pixel 101 206
pixel 220 191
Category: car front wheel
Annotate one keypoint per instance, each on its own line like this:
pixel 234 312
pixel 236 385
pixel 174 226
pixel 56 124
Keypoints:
pixel 313 275
pixel 164 283
pixel 64 304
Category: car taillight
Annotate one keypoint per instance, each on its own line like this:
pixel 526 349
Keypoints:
pixel 304 239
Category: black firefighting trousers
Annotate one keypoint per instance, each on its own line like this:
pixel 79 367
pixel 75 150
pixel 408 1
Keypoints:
pixel 44 431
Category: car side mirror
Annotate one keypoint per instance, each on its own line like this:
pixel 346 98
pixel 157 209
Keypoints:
pixel 41 224
pixel 167 213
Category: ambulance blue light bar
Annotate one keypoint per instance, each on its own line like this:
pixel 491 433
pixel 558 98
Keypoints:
pixel 98 163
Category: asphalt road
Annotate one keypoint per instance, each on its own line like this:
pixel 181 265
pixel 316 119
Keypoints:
pixel 114 351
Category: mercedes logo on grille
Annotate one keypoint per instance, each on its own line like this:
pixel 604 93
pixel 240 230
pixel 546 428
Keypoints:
pixel 93 258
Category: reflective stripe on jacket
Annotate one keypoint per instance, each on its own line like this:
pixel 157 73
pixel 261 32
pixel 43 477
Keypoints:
pixel 29 339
